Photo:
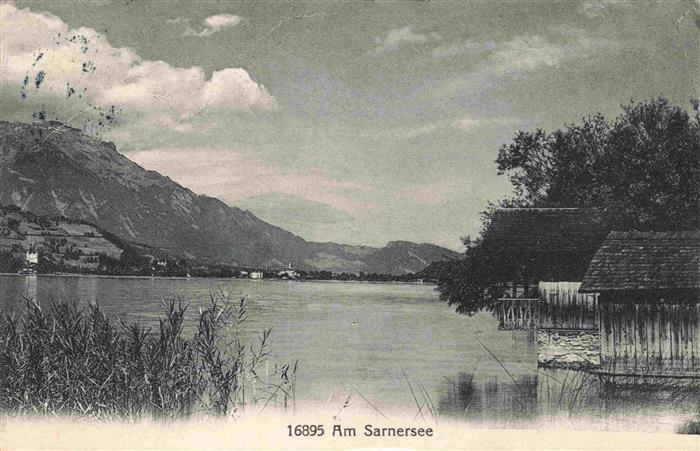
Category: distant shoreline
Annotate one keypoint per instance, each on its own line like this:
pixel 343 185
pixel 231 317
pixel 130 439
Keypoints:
pixel 108 276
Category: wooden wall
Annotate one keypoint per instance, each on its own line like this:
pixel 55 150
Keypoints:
pixel 517 313
pixel 649 337
pixel 550 305
pixel 561 306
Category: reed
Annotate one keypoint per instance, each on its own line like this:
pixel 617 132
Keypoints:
pixel 65 360
pixel 596 393
pixel 691 427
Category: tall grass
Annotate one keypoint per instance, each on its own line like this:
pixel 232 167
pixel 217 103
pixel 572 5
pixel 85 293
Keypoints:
pixel 65 360
pixel 691 427
pixel 559 393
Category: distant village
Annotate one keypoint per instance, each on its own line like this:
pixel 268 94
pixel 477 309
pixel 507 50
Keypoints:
pixel 31 244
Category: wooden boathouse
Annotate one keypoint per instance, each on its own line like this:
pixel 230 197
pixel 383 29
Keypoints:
pixel 542 255
pixel 648 286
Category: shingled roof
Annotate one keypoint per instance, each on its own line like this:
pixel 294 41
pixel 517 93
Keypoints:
pixel 551 243
pixel 544 229
pixel 645 261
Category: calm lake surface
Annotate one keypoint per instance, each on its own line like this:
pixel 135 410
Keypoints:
pixel 368 340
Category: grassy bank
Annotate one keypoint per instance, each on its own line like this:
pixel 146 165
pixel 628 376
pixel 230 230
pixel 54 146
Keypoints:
pixel 62 359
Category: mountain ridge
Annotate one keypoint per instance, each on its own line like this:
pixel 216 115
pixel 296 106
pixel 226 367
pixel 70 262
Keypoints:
pixel 52 169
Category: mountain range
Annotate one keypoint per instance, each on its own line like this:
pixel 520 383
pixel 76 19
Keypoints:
pixel 55 170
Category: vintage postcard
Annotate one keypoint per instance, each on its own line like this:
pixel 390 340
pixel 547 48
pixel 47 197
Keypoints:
pixel 349 224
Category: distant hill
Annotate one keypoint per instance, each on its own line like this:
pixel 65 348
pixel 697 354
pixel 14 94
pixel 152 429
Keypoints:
pixel 402 257
pixel 60 241
pixel 54 170
pixel 397 257
pixel 434 271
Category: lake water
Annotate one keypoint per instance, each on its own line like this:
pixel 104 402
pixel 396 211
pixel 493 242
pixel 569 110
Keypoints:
pixel 368 340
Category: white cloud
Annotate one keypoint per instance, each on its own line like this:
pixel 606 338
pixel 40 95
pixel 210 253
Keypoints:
pixel 212 24
pixel 33 42
pixel 399 37
pixel 217 91
pixel 494 62
pixel 220 21
pixel 232 176
pixel 530 53
pixel 525 53
pixel 177 21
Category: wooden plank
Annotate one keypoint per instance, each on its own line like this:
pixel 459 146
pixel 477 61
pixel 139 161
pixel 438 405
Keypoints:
pixel 635 351
pixel 664 342
pixel 696 338
pixel 695 334
pixel 638 337
pixel 643 333
pixel 683 335
pixel 562 306
pixel 604 337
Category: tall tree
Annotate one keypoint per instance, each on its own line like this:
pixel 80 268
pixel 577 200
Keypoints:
pixel 639 171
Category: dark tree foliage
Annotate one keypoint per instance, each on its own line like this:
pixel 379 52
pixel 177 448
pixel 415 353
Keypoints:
pixel 640 171
pixel 8 263
pixel 46 266
pixel 649 177
pixel 474 279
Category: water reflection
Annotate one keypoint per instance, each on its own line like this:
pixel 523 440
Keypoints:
pixel 551 394
pixel 30 286
pixel 18 287
pixel 491 399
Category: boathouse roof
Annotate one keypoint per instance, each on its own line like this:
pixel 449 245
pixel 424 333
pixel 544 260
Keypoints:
pixel 553 243
pixel 544 229
pixel 645 261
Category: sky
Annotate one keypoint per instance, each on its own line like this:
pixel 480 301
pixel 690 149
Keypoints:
pixel 353 122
